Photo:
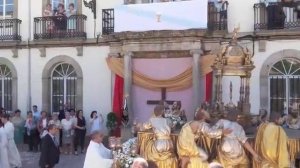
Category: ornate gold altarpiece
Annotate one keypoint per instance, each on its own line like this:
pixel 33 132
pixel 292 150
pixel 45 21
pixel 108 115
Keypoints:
pixel 234 60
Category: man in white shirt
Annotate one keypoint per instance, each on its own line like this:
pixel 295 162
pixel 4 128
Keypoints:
pixel 97 155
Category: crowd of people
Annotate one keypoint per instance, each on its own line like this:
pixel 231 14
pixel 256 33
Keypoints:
pixel 72 130
pixel 57 17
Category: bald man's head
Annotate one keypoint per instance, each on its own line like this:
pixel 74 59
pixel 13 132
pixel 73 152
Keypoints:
pixel 139 163
pixel 201 114
pixel 97 136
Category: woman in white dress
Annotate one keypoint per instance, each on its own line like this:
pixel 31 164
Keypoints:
pixel 3 146
pixel 67 127
pixel 13 153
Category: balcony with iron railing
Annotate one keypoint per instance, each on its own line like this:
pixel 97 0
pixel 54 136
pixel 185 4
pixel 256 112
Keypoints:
pixel 277 16
pixel 60 27
pixel 217 16
pixel 10 30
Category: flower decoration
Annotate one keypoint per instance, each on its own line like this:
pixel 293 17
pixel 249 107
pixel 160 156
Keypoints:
pixel 124 155
pixel 177 121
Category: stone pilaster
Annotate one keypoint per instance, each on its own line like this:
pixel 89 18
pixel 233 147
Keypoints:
pixel 196 77
pixel 128 83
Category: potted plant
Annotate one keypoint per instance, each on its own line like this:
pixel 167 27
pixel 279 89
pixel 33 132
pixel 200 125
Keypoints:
pixel 111 122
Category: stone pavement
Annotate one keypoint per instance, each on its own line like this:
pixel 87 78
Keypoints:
pixel 31 160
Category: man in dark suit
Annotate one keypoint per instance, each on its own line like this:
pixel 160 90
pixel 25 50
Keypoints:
pixel 50 148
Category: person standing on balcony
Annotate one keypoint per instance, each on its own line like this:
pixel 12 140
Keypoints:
pixel 221 7
pixel 275 14
pixel 71 20
pixel 47 15
pixel 48 11
pixel 61 19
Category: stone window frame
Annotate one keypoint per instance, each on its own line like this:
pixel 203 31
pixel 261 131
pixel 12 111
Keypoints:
pixel 264 73
pixel 46 81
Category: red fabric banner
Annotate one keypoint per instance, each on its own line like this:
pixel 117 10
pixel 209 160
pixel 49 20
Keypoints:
pixel 118 101
pixel 208 86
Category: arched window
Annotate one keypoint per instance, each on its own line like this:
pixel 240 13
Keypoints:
pixel 284 81
pixel 5 88
pixel 63 84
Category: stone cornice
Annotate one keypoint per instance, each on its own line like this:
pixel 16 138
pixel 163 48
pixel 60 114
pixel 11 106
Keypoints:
pixel 280 34
pixel 51 43
pixel 155 34
pixel 155 37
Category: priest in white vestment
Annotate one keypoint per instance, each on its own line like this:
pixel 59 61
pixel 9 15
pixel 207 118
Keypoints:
pixel 13 153
pixel 3 148
pixel 105 153
pixel 97 156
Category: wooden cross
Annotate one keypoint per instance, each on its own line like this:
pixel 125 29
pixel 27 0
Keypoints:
pixel 163 98
pixel 158 16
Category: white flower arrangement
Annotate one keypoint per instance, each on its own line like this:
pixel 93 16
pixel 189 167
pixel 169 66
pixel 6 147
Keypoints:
pixel 128 145
pixel 124 160
pixel 176 120
pixel 123 156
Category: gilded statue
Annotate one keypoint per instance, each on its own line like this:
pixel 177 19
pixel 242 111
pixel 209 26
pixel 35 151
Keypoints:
pixel 271 143
pixel 160 149
pixel 235 33
pixel 248 58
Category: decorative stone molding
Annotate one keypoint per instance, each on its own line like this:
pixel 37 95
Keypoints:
pixel 42 52
pixel 15 53
pixel 79 51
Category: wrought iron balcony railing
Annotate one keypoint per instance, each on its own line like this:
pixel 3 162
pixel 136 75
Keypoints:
pixel 108 21
pixel 217 16
pixel 58 27
pixel 276 15
pixel 10 30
